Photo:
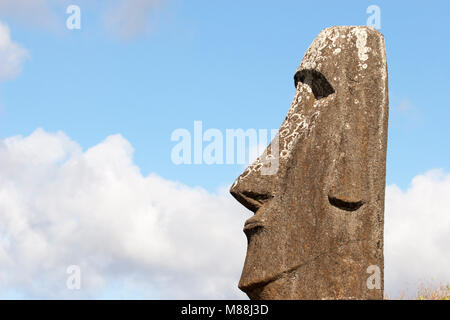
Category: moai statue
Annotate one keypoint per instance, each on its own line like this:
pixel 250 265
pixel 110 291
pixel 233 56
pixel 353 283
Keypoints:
pixel 317 192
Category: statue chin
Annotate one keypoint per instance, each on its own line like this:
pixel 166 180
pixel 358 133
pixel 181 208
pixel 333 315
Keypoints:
pixel 280 288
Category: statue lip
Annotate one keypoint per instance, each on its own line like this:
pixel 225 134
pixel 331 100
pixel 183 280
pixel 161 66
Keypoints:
pixel 252 225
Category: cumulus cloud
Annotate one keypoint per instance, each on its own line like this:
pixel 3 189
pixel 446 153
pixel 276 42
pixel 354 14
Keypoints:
pixel 417 234
pixel 139 236
pixel 12 55
pixel 60 206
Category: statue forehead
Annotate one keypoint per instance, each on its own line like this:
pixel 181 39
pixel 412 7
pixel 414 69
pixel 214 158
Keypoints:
pixel 347 49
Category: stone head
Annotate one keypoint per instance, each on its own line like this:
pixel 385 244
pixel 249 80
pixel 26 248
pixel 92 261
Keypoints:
pixel 318 215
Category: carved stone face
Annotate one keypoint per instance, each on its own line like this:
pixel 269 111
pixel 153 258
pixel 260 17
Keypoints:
pixel 318 219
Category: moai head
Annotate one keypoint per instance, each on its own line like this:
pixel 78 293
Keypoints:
pixel 318 216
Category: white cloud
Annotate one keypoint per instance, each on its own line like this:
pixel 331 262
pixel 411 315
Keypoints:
pixel 417 233
pixel 136 236
pixel 130 18
pixel 12 55
pixel 405 106
pixel 33 12
pixel 124 19
pixel 61 206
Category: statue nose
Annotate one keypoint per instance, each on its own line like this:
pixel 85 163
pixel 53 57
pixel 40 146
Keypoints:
pixel 252 190
pixel 250 199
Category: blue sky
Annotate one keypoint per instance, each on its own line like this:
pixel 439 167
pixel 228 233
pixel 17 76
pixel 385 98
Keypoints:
pixel 228 64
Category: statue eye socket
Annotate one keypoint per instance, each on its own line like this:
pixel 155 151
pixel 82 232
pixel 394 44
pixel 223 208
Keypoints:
pixel 345 205
pixel 320 86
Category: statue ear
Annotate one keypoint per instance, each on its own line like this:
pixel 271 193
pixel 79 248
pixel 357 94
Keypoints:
pixel 320 86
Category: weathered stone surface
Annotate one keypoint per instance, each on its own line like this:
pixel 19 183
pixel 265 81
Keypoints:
pixel 318 222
